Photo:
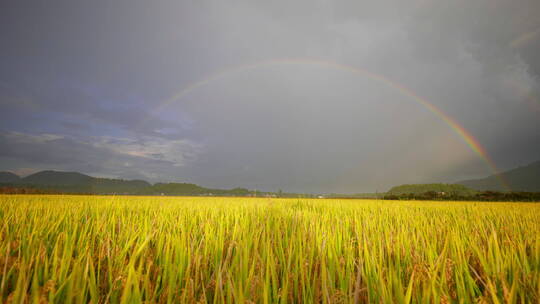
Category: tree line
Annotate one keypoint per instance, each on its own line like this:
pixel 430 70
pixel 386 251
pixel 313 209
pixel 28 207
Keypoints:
pixel 483 196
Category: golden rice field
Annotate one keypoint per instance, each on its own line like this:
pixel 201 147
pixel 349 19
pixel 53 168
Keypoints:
pixel 99 249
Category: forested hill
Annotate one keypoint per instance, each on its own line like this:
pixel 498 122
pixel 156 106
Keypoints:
pixel 8 177
pixel 452 192
pixel 74 182
pixel 526 178
pixel 450 189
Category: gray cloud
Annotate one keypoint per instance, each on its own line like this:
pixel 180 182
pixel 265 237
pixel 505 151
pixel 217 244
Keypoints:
pixel 95 73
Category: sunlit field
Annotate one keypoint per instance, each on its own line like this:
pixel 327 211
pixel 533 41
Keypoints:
pixel 103 249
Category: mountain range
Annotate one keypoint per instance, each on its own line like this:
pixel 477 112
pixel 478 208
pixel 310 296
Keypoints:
pixel 8 177
pixel 72 182
pixel 526 178
pixel 75 182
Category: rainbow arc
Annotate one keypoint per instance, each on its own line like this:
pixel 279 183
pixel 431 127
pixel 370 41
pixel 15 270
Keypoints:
pixel 461 131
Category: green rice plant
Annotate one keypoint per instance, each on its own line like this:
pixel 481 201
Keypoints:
pixel 105 249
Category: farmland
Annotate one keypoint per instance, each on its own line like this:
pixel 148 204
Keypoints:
pixel 129 249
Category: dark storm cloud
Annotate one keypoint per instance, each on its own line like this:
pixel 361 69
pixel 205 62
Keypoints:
pixel 89 76
pixel 67 103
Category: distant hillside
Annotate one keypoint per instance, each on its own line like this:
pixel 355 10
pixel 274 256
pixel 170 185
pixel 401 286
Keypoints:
pixel 74 182
pixel 525 178
pixel 192 189
pixel 8 177
pixel 450 189
pixel 57 178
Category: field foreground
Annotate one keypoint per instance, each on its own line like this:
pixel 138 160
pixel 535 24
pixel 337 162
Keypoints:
pixel 83 249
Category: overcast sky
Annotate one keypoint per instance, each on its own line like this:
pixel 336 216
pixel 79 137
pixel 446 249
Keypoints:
pixel 83 86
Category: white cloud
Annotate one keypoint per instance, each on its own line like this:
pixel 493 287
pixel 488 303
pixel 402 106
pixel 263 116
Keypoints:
pixel 177 152
pixel 146 157
pixel 32 138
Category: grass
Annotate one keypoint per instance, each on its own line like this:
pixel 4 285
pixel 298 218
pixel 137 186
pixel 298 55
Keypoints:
pixel 79 249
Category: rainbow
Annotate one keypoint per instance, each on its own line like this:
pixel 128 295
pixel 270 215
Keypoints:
pixel 465 135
